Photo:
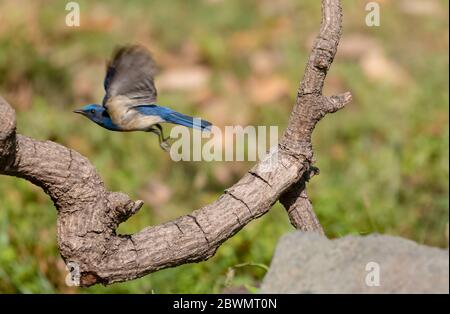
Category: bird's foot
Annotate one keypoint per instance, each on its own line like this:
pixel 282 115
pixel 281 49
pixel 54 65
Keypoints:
pixel 163 142
pixel 165 145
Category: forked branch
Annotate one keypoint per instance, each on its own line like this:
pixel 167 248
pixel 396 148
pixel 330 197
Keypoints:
pixel 88 214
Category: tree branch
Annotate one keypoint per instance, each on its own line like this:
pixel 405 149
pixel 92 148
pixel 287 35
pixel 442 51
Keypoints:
pixel 309 109
pixel 88 214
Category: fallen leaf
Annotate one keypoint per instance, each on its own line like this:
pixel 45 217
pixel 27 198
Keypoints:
pixel 21 95
pixel 264 62
pixel 377 67
pixel 217 112
pixel 98 18
pixel 222 174
pixel 334 85
pixel 263 90
pixel 356 46
pixel 87 82
pixel 155 193
pixel 244 42
pixel 184 79
pixel 420 7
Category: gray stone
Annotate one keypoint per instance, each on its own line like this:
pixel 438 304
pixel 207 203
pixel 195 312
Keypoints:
pixel 311 263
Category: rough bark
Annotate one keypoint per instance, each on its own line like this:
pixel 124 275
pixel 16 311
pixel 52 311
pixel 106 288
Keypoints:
pixel 310 108
pixel 88 214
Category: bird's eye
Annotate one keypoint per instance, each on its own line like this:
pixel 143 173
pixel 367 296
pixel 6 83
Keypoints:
pixel 92 111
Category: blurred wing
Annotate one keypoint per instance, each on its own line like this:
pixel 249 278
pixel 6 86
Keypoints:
pixel 131 73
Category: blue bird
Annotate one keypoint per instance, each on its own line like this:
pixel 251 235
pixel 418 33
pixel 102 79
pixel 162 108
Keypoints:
pixel 129 103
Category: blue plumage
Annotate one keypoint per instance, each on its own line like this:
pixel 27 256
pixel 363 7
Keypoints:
pixel 99 115
pixel 173 116
pixel 130 97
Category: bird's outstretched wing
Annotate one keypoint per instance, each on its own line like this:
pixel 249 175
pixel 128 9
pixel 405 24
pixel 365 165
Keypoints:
pixel 131 73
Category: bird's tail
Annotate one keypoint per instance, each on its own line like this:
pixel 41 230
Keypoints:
pixel 179 118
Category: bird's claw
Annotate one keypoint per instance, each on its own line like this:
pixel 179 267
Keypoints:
pixel 165 145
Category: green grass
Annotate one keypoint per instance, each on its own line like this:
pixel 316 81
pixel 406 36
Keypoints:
pixel 383 159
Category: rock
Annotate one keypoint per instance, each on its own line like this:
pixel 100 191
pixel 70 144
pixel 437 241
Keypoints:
pixel 311 263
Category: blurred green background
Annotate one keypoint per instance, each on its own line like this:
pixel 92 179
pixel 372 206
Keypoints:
pixel 383 159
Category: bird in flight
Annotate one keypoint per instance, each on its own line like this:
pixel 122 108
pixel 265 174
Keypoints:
pixel 130 97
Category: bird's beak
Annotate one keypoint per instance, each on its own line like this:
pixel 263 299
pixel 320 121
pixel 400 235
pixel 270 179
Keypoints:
pixel 79 111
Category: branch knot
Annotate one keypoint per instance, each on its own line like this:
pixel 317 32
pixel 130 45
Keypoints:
pixel 122 207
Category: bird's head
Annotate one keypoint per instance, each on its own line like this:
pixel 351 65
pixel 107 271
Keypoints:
pixel 94 112
pixel 99 115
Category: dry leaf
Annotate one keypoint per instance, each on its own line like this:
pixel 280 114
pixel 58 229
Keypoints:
pixel 356 46
pixel 264 62
pixel 267 89
pixel 184 79
pixel 155 193
pixel 376 66
pixel 244 41
pixel 87 81
pixel 421 7
pixel 222 174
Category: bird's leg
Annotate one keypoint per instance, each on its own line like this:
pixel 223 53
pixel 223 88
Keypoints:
pixel 162 133
pixel 163 142
pixel 160 137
